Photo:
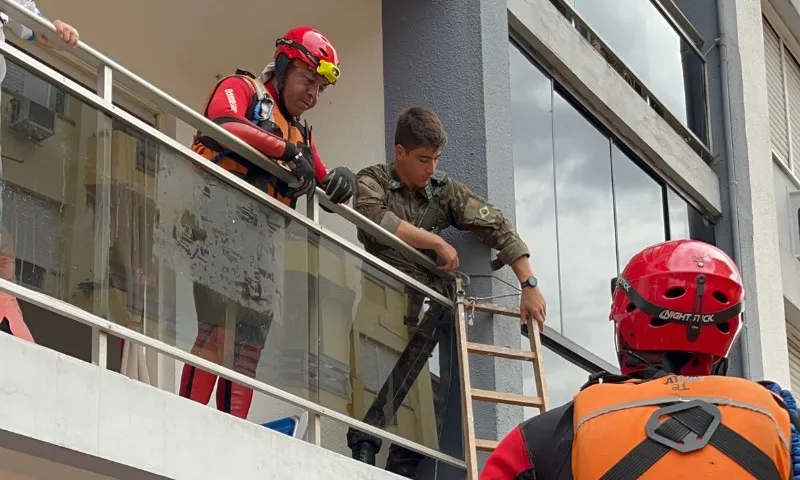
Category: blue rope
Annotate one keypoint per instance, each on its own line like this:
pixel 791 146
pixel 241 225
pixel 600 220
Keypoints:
pixel 791 404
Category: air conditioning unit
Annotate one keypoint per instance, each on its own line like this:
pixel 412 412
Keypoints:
pixel 794 221
pixel 32 120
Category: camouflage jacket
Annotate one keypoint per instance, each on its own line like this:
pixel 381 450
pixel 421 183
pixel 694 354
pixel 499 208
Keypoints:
pixel 445 202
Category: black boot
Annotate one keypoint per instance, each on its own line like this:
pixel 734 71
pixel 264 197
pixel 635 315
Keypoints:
pixel 365 451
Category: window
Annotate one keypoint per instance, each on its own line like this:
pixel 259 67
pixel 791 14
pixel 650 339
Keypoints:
pixel 19 82
pixel 534 176
pixel 639 205
pixel 645 44
pixel 584 204
pixel 686 222
pixel 783 90
pixel 586 236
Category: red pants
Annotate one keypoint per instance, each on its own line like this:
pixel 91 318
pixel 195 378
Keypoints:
pixel 11 318
pixel 198 384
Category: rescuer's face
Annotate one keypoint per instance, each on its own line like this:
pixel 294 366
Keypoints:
pixel 302 89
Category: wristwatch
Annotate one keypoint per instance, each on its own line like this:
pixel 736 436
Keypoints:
pixel 530 282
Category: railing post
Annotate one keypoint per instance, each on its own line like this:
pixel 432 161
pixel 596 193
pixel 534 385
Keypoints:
pixel 315 335
pixel 314 429
pixel 99 347
pixel 102 218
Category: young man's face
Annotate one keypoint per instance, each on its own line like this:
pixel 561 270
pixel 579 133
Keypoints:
pixel 302 88
pixel 418 165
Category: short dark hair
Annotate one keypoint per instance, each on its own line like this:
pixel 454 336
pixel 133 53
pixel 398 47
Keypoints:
pixel 419 127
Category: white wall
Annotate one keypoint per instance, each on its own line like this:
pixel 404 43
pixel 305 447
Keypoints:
pixel 56 400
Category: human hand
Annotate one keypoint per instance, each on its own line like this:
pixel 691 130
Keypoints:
pixel 301 166
pixel 446 252
pixel 66 32
pixel 340 184
pixel 532 305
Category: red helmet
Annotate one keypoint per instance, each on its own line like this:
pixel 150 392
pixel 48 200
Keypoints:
pixel 312 47
pixel 684 298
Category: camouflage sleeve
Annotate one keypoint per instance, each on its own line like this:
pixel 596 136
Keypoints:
pixel 468 211
pixel 370 201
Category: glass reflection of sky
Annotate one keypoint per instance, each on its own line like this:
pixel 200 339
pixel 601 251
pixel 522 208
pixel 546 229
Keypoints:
pixel 583 206
pixel 645 41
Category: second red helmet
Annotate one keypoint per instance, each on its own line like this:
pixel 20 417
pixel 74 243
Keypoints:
pixel 681 296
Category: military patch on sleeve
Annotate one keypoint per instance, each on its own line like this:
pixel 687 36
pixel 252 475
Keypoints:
pixel 483 212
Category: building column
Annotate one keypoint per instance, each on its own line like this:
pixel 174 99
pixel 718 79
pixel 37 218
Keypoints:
pixel 452 56
pixel 762 351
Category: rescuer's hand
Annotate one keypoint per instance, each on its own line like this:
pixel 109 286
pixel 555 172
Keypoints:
pixel 340 183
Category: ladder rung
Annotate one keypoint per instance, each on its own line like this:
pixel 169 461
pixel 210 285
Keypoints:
pixel 507 398
pixel 502 352
pixel 494 309
pixel 486 445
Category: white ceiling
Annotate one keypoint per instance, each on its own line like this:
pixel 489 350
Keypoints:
pixel 19 466
pixel 181 45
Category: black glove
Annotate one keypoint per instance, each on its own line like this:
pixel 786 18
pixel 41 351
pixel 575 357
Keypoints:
pixel 340 184
pixel 301 163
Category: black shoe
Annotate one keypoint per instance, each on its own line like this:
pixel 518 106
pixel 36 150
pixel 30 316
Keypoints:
pixel 365 452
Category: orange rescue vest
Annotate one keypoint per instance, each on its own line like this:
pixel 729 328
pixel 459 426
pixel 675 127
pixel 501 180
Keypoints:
pixel 670 426
pixel 262 113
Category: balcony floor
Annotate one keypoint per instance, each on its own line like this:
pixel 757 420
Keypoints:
pixel 95 424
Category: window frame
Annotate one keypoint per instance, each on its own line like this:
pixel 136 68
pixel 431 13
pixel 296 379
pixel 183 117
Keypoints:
pixel 788 45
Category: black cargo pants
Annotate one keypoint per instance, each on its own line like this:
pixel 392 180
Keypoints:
pixel 436 327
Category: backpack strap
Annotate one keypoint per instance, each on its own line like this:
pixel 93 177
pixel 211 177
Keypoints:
pixel 262 110
pixel 548 439
pixel 430 220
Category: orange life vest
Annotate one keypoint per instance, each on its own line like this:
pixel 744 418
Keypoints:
pixel 672 425
pixel 262 113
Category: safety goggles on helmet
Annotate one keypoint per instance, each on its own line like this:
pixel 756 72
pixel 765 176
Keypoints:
pixel 324 68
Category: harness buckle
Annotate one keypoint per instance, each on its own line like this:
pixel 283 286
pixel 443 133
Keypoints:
pixel 690 442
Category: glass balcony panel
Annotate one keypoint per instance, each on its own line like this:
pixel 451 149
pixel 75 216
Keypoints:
pixel 99 214
pixel 377 366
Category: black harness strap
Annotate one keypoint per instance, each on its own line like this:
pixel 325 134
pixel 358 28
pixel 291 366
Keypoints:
pixel 686 421
pixel 548 439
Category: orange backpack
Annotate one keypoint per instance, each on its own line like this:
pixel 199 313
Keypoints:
pixel 621 428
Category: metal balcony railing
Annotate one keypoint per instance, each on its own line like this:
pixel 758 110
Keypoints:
pixel 109 74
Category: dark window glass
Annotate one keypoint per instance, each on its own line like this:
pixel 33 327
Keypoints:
pixel 586 237
pixel 686 222
pixel 531 106
pixel 639 204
